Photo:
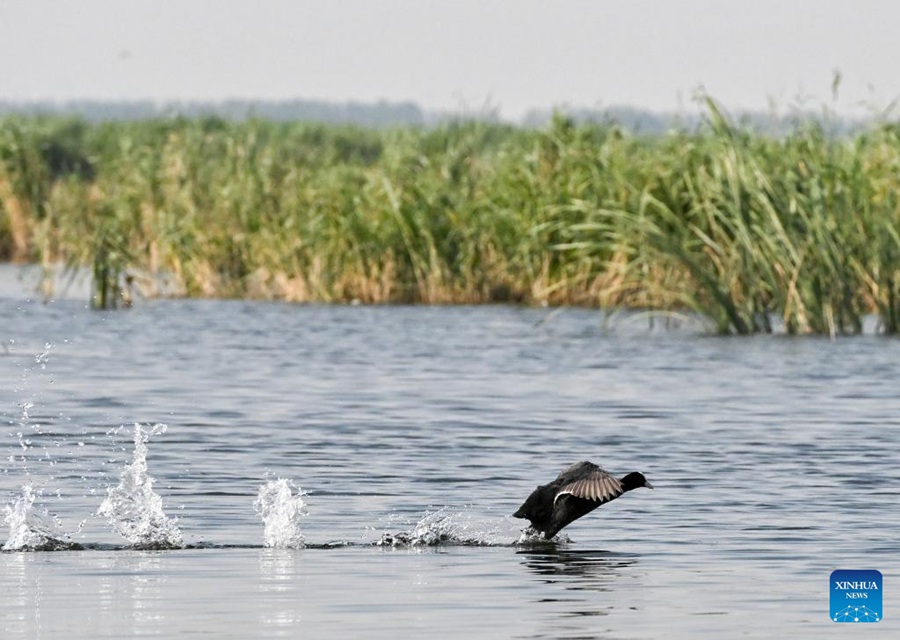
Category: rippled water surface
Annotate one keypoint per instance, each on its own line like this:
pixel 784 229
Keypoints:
pixel 775 461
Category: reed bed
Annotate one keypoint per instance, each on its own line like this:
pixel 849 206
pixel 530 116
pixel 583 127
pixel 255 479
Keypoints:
pixel 754 232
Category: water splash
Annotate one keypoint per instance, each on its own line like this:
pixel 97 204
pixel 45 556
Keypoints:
pixel 280 505
pixel 533 537
pixel 133 508
pixel 449 527
pixel 33 528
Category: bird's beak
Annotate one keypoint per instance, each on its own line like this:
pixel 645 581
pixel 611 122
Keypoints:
pixel 647 484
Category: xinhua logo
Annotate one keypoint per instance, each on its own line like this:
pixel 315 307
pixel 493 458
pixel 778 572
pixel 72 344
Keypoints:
pixel 856 595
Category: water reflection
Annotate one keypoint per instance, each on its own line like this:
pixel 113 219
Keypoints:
pixel 580 589
pixel 279 602
pixel 22 610
pixel 577 569
pixel 131 584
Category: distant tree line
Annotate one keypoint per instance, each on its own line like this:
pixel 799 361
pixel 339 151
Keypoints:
pixel 384 114
pixel 377 114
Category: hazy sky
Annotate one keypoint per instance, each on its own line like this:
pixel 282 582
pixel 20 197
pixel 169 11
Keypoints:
pixel 456 55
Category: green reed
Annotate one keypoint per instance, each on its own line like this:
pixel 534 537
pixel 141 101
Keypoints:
pixel 750 231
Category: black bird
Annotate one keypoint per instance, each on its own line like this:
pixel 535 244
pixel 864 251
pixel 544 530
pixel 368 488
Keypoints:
pixel 577 491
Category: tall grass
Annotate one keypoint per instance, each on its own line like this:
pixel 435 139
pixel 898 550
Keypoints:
pixel 801 231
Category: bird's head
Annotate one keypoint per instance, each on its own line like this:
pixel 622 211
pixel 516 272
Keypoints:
pixel 634 480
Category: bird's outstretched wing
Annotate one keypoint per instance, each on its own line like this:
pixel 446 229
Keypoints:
pixel 599 486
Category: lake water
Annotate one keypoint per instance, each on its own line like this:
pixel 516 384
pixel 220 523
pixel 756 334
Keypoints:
pixel 775 460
